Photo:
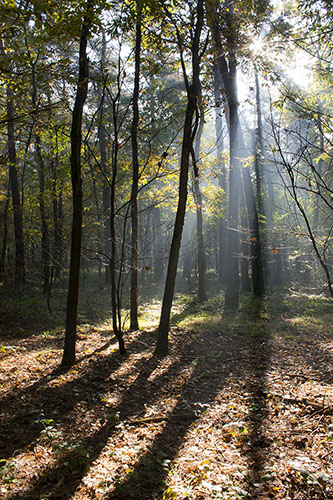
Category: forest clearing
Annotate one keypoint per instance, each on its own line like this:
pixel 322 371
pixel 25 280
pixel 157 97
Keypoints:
pixel 240 409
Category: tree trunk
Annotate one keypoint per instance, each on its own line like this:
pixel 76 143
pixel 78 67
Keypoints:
pixel 228 77
pixel 102 138
pixel 198 201
pixel 13 179
pixel 255 242
pixel 45 239
pixel 222 241
pixel 245 281
pixel 115 297
pixel 4 235
pixel 158 245
pixel 134 323
pixel 18 219
pixel 187 145
pixel 76 140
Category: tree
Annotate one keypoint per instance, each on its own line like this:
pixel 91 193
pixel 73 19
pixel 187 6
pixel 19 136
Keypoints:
pixel 13 177
pixel 192 91
pixel 134 324
pixel 228 70
pixel 76 141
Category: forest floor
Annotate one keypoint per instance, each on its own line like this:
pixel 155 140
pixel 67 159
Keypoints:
pixel 240 409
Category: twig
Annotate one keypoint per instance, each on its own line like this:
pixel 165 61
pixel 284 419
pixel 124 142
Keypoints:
pixel 147 420
pixel 326 454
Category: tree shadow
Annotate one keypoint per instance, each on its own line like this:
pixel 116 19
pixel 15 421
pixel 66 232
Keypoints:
pixel 26 410
pixel 62 480
pixel 148 479
pixel 258 443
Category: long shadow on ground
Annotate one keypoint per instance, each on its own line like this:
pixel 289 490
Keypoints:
pixel 61 481
pixel 260 360
pixel 25 410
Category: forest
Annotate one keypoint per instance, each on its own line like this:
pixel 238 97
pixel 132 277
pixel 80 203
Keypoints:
pixel 166 228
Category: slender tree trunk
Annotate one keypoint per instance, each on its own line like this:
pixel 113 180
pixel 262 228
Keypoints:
pixel 259 153
pixel 299 206
pixel 4 234
pixel 222 249
pixel 45 239
pixel 134 323
pixel 228 77
pixel 229 74
pixel 58 228
pixel 265 192
pixel 319 169
pixel 187 145
pixel 255 238
pixel 76 140
pixel 158 245
pixel 13 179
pixel 245 281
pixel 198 200
pixel 102 138
pixel 18 218
pixel 115 297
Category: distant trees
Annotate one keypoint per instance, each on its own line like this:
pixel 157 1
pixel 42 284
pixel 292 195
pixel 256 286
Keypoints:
pixel 226 61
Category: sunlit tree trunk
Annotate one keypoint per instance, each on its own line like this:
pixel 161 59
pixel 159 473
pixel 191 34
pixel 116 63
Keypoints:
pixel 319 168
pixel 102 139
pixel 245 282
pixel 158 245
pixel 228 77
pixel 202 295
pixel 222 248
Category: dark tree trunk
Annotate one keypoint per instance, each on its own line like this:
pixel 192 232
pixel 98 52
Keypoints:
pixel 255 244
pixel 134 324
pixel 187 145
pixel 76 140
pixel 232 289
pixel 58 228
pixel 18 219
pixel 115 296
pixel 13 179
pixel 229 74
pixel 4 234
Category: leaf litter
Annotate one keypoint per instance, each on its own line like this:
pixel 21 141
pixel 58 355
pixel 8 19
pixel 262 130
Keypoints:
pixel 226 416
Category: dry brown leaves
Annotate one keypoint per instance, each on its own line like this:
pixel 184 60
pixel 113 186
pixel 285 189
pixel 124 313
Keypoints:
pixel 225 416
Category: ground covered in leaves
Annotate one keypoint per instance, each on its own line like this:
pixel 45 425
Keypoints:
pixel 240 409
